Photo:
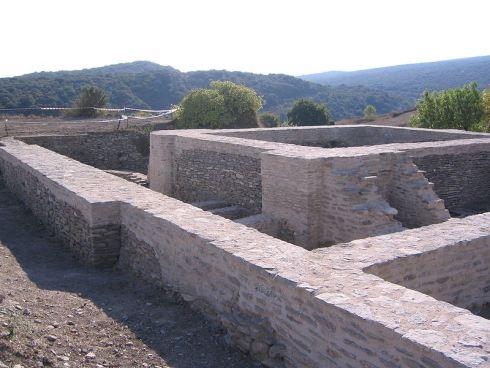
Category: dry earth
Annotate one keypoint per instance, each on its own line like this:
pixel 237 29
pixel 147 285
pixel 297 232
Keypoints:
pixel 53 126
pixel 56 313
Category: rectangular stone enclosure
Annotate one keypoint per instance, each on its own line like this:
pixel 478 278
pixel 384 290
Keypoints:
pixel 318 247
pixel 377 180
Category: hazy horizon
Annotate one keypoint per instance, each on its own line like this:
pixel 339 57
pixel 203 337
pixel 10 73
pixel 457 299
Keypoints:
pixel 253 36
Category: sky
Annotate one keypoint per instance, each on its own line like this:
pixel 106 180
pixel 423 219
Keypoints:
pixel 261 36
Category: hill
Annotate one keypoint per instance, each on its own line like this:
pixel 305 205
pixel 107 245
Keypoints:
pixel 409 81
pixel 143 84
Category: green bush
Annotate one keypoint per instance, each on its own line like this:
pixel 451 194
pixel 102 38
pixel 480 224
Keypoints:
pixel 458 108
pixel 269 120
pixel 90 98
pixel 307 112
pixel 486 110
pixel 202 108
pixel 369 112
pixel 242 103
pixel 226 103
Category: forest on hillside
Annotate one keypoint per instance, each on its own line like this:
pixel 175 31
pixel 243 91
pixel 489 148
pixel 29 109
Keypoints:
pixel 149 85
pixel 408 82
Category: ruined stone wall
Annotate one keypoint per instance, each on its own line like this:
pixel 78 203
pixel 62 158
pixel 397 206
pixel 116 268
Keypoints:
pixel 197 170
pixel 86 228
pixel 461 179
pixel 287 306
pixel 319 196
pixel 346 136
pixel 457 274
pixel 203 174
pixel 118 150
pixel 276 317
pixel 407 189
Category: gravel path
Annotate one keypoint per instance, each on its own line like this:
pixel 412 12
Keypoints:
pixel 57 313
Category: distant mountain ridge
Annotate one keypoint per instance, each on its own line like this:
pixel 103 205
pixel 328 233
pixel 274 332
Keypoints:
pixel 410 80
pixel 145 84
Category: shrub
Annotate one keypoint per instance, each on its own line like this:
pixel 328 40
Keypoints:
pixel 458 108
pixel 486 110
pixel 226 103
pixel 202 108
pixel 242 103
pixel 369 112
pixel 307 112
pixel 90 97
pixel 269 120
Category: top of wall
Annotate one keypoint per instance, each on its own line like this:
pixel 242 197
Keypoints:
pixel 306 142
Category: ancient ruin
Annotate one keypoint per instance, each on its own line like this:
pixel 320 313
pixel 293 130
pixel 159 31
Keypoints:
pixel 343 246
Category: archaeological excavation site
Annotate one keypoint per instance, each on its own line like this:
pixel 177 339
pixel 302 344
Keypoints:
pixel 338 246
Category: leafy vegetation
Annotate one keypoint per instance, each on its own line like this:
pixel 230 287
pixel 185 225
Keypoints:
pixel 409 81
pixel 224 104
pixel 152 86
pixel 307 112
pixel 369 112
pixel 486 110
pixel 458 108
pixel 90 98
pixel 241 103
pixel 269 120
pixel 203 108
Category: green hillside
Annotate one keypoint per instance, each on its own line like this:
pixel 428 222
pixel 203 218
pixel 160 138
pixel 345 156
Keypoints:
pixel 409 81
pixel 148 85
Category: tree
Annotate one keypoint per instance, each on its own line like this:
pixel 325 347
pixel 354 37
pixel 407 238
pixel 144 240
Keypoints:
pixel 202 108
pixel 369 112
pixel 269 120
pixel 486 109
pixel 225 104
pixel 242 103
pixel 458 108
pixel 307 112
pixel 90 98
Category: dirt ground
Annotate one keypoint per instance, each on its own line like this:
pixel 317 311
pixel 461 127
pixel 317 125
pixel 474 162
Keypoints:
pixel 20 127
pixel 56 313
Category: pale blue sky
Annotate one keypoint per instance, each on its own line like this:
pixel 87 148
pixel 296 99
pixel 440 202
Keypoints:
pixel 261 36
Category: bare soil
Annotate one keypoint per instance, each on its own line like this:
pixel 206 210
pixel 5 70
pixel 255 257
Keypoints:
pixel 55 312
pixel 38 126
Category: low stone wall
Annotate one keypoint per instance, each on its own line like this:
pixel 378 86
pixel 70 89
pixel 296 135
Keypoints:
pixel 90 229
pixel 201 175
pixel 347 136
pixel 461 179
pixel 118 150
pixel 458 274
pixel 322 196
pixel 195 170
pixel 285 305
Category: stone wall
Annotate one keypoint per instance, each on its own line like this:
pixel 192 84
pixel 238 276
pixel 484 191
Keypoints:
pixel 201 175
pixel 458 274
pixel 347 136
pixel 285 305
pixel 461 179
pixel 319 196
pixel 196 170
pixel 117 150
pixel 89 229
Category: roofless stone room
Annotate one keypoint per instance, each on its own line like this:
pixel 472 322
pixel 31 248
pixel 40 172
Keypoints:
pixel 335 246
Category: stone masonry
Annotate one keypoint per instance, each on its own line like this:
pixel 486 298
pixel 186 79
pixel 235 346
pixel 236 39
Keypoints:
pixel 396 300
pixel 370 186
